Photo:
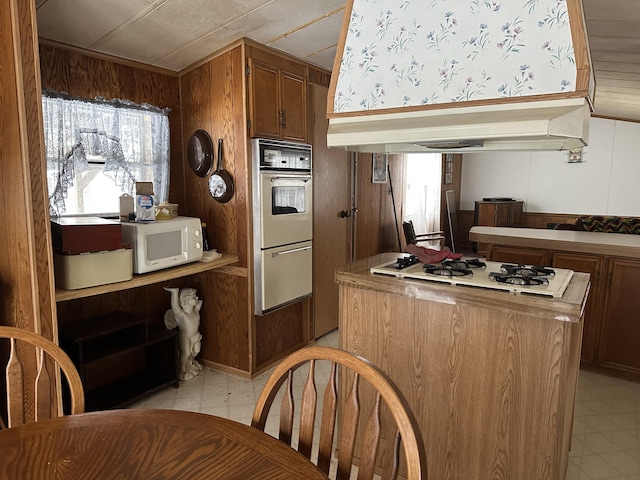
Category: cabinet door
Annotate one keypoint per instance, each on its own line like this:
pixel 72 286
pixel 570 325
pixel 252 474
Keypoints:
pixel 516 213
pixel 519 255
pixel 502 215
pixel 293 108
pixel 618 347
pixel 594 266
pixel 265 100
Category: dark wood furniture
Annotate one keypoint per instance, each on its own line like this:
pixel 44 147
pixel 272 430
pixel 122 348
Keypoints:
pixel 356 429
pixel 140 444
pixel 497 213
pixel 49 358
pixel 121 357
pixel 611 326
pixel 490 375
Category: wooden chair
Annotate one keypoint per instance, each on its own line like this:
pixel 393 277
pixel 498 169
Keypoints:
pixel 412 238
pixel 44 352
pixel 404 423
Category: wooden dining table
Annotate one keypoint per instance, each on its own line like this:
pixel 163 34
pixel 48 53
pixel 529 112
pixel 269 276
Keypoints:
pixel 147 444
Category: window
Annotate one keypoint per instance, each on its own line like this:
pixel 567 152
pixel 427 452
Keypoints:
pixel 96 150
pixel 422 194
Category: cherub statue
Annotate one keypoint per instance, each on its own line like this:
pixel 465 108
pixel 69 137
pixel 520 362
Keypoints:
pixel 185 314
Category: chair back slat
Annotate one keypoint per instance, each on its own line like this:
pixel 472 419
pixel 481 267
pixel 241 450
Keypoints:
pixel 44 383
pixel 15 388
pixel 286 412
pixel 308 412
pixel 349 430
pixel 394 465
pixel 370 443
pixel 328 425
pixel 368 437
pixel 35 363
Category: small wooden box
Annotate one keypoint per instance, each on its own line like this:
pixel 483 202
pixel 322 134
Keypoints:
pixel 72 236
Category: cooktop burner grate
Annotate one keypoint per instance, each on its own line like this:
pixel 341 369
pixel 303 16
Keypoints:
pixel 526 270
pixel 447 271
pixel 460 263
pixel 404 262
pixel 518 279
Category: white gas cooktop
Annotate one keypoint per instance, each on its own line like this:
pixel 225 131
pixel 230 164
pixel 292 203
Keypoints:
pixel 480 277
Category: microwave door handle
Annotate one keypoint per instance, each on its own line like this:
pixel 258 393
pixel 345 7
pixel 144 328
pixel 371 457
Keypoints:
pixel 284 252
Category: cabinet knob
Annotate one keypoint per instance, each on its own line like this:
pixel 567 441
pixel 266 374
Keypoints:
pixel 344 213
pixel 283 118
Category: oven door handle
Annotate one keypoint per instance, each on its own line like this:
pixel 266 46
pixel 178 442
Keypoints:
pixel 291 177
pixel 284 252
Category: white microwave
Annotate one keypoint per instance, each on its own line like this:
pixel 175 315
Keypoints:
pixel 163 243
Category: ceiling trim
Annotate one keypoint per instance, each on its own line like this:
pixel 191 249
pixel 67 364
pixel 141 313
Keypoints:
pixel 110 58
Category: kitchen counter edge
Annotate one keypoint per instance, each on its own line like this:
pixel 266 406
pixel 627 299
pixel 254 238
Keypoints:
pixel 568 308
pixel 612 244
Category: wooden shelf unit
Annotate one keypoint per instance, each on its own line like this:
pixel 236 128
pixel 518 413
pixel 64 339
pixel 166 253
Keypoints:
pixel 120 357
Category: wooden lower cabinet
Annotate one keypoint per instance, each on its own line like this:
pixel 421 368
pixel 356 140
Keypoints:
pixel 618 347
pixel 611 319
pixel 518 255
pixel 593 265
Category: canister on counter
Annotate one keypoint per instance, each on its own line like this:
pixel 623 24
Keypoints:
pixel 145 202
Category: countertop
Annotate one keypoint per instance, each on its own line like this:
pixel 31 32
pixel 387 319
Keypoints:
pixel 568 308
pixel 614 244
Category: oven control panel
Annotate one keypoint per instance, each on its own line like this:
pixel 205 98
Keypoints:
pixel 278 155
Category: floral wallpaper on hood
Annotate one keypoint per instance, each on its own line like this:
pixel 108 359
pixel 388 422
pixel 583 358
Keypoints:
pixel 421 52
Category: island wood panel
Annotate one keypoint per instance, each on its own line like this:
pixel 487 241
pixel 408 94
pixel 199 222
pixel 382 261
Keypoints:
pixel 87 77
pixel 492 392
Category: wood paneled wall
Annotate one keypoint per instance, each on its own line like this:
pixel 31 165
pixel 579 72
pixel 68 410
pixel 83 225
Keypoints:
pixel 88 77
pixel 212 100
pixel 376 226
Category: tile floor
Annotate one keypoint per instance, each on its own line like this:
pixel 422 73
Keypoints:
pixel 606 427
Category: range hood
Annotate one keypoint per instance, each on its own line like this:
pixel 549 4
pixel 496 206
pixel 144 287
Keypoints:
pixel 460 76
pixel 542 125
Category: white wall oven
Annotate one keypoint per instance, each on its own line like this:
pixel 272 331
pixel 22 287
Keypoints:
pixel 282 223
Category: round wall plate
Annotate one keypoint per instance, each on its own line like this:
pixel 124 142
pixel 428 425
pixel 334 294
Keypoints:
pixel 200 153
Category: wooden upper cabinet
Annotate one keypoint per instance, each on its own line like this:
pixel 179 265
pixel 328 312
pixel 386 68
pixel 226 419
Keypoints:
pixel 278 101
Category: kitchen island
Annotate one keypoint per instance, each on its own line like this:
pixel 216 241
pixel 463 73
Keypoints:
pixel 490 375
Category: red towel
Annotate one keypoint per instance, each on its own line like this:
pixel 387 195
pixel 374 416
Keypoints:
pixel 428 255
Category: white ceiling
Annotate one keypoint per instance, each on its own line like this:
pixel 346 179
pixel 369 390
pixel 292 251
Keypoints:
pixel 174 34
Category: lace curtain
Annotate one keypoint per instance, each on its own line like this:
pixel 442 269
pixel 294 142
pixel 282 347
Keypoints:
pixel 422 195
pixel 131 140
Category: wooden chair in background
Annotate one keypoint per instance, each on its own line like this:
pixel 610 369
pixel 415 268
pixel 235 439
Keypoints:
pixel 412 238
pixel 353 369
pixel 48 357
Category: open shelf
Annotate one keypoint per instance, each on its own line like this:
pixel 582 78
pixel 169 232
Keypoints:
pixel 147 278
pixel 121 357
